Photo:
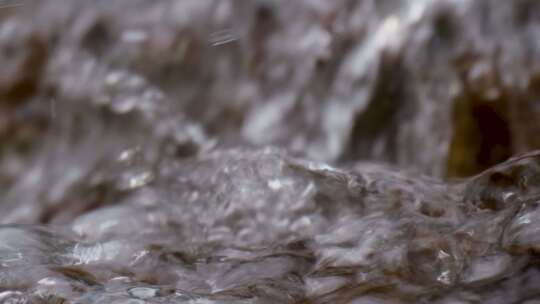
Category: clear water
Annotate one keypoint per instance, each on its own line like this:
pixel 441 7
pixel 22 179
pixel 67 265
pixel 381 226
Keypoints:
pixel 205 151
pixel 259 226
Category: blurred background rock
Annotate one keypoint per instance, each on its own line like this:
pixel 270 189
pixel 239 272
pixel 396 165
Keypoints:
pixel 446 88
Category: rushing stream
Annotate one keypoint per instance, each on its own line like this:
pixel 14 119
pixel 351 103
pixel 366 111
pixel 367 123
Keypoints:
pixel 269 151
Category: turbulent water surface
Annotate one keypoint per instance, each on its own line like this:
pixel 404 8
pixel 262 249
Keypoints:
pixel 301 152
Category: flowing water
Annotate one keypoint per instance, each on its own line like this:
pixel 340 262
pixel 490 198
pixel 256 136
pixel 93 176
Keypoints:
pixel 308 151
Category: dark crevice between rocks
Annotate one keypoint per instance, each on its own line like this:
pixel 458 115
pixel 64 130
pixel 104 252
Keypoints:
pixel 481 130
pixel 26 72
pixel 379 119
pixel 98 38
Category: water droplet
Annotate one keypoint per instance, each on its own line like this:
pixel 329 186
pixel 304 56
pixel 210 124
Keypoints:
pixel 222 37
